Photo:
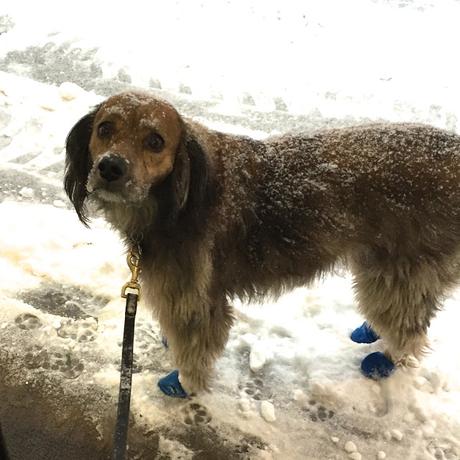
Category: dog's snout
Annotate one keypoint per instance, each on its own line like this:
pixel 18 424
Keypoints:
pixel 112 168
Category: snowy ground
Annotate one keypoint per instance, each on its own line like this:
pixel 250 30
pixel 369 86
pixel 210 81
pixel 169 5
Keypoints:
pixel 288 385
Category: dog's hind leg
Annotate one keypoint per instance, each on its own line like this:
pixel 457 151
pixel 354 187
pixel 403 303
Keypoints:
pixel 399 296
pixel 197 343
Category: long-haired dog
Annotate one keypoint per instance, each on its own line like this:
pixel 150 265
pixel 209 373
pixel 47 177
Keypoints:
pixel 219 215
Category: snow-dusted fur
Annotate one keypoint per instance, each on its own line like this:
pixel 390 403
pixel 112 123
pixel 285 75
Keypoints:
pixel 220 215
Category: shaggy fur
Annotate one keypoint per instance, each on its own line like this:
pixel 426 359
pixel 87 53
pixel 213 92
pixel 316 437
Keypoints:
pixel 219 215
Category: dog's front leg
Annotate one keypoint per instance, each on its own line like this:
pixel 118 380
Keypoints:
pixel 196 342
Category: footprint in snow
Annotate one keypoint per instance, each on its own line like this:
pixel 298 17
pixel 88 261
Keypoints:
pixel 35 357
pixel 254 388
pixel 147 338
pixel 196 414
pixel 59 360
pixel 66 363
pixel 320 412
pixel 28 321
pixel 80 330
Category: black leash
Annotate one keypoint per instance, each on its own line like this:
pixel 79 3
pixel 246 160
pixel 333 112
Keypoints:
pixel 126 372
pixel 3 452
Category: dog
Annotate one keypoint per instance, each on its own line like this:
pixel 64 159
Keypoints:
pixel 219 216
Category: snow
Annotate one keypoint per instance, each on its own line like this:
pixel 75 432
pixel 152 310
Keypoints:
pixel 267 410
pixel 350 447
pixel 290 375
pixel 318 55
pixel 257 357
pixel 175 450
pixel 292 357
pixel 397 434
pixel 355 456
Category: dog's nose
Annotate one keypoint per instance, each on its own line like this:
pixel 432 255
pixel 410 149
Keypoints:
pixel 112 168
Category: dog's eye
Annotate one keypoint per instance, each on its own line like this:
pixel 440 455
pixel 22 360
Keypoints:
pixel 154 142
pixel 105 129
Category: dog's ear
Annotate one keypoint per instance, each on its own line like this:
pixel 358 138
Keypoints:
pixel 78 163
pixel 190 175
pixel 181 177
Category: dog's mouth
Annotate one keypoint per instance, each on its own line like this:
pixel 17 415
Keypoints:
pixel 104 195
pixel 133 196
pixel 128 192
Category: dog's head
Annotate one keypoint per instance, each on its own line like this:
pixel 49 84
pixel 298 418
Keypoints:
pixel 130 145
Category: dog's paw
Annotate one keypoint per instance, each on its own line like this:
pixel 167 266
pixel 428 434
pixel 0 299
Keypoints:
pixel 195 414
pixel 28 321
pixel 171 386
pixel 364 334
pixel 377 365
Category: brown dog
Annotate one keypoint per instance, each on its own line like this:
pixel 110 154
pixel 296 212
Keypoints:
pixel 220 215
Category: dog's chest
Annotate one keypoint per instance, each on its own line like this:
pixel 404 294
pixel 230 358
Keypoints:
pixel 176 279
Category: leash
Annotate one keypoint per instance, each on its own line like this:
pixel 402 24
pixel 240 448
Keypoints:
pixel 130 292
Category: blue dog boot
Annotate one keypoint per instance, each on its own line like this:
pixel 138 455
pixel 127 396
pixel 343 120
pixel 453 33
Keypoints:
pixel 171 386
pixel 377 366
pixel 364 334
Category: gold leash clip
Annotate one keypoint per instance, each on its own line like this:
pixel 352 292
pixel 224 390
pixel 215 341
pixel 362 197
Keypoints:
pixel 133 260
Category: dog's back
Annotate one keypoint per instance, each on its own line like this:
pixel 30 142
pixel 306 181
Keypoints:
pixel 309 201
